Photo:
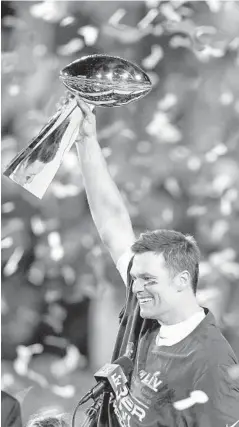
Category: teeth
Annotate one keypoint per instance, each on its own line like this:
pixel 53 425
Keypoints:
pixel 144 300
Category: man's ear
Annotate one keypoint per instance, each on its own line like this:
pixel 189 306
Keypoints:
pixel 182 280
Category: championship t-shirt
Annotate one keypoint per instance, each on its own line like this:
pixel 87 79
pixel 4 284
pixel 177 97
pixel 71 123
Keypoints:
pixel 185 384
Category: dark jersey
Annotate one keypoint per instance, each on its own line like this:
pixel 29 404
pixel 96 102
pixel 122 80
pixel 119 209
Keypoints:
pixel 183 385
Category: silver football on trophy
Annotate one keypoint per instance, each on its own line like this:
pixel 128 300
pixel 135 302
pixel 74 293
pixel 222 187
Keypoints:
pixel 101 80
pixel 106 81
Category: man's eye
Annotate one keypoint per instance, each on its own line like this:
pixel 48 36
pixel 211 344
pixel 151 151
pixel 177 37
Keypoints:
pixel 149 282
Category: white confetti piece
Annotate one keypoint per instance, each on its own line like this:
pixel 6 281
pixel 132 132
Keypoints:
pixel 68 20
pixel 12 264
pixel 169 101
pixel 172 185
pixel 51 11
pixel 7 380
pixel 14 90
pixel 194 163
pixel 196 396
pixel 89 33
pixel 155 56
pixel 38 226
pixel 214 5
pixel 117 16
pixel 72 360
pixel 8 207
pixel 73 46
pixel 147 19
pixel 6 243
pixel 170 14
pixel 226 98
pixel 161 127
pixel 67 391
pixel 179 41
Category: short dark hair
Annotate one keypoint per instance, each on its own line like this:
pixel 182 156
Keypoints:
pixel 180 251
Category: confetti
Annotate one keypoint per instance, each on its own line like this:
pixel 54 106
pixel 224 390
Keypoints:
pixel 68 20
pixel 152 60
pixel 67 391
pixel 12 264
pixel 169 12
pixel 7 242
pixel 196 396
pixel 89 33
pixel 117 16
pixel 73 46
pixel 50 11
pixel 169 101
pixel 148 19
pixel 8 207
pixel 73 360
pixel 161 128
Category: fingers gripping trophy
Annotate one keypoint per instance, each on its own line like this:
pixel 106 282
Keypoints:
pixel 99 80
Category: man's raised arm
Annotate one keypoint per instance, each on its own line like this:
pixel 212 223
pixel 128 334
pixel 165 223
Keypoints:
pixel 106 204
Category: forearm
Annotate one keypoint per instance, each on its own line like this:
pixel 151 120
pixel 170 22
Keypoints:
pixel 105 201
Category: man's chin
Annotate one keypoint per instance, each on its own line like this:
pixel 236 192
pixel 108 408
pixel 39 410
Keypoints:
pixel 145 314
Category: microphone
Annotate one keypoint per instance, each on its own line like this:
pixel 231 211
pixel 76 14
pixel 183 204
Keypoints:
pixel 111 374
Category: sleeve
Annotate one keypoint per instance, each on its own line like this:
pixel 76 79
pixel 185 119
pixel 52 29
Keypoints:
pixel 123 263
pixel 222 406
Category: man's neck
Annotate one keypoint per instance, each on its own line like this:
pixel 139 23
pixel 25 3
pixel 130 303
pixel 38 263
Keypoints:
pixel 178 316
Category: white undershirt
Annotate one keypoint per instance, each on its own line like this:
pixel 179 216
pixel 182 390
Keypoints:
pixel 172 334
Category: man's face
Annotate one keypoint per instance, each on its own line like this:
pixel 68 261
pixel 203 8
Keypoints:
pixel 154 286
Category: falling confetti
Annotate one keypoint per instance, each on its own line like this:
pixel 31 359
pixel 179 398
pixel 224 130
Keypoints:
pixel 152 60
pixel 7 242
pixel 89 33
pixel 196 397
pixel 73 46
pixel 50 11
pixel 12 264
pixel 68 20
pixel 66 391
pixel 161 127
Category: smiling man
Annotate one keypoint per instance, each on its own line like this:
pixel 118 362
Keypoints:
pixel 181 359
pixel 165 275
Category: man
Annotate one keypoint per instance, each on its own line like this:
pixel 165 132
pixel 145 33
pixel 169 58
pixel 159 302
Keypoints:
pixel 181 359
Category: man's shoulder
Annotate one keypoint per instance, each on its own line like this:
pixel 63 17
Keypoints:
pixel 213 348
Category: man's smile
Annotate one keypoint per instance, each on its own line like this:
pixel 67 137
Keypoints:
pixel 144 300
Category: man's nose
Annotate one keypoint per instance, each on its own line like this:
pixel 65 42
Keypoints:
pixel 138 286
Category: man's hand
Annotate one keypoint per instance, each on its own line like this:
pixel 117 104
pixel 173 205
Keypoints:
pixel 87 129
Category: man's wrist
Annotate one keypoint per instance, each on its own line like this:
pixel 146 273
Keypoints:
pixel 88 149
